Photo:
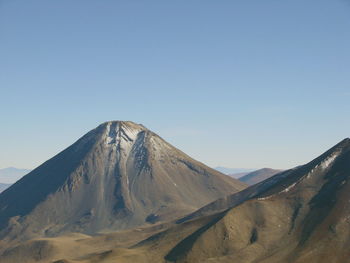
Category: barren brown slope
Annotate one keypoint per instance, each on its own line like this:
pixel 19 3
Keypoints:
pixel 119 175
pixel 225 203
pixel 303 217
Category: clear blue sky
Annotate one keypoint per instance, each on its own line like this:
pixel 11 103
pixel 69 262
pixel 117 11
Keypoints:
pixel 232 83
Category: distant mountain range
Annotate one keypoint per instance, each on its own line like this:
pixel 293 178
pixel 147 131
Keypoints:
pixel 233 171
pixel 258 175
pixel 3 187
pixel 248 176
pixel 11 175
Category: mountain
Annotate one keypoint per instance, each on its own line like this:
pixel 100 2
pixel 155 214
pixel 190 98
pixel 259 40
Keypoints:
pixel 231 171
pixel 238 175
pixel 258 176
pixel 10 175
pixel 297 216
pixel 255 176
pixel 3 187
pixel 118 176
pixel 300 215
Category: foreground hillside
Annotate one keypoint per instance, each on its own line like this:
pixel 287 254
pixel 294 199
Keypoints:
pixel 303 215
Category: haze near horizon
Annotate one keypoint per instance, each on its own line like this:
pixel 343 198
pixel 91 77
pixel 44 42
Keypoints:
pixel 228 90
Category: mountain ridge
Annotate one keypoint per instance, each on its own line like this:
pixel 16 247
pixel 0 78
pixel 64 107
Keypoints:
pixel 283 218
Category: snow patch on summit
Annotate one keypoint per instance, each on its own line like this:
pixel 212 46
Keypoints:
pixel 121 135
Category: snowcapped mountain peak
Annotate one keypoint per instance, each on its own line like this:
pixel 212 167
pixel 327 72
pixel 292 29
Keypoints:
pixel 117 132
pixel 129 124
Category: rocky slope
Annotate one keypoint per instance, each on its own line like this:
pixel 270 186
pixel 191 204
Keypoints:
pixel 301 215
pixel 118 176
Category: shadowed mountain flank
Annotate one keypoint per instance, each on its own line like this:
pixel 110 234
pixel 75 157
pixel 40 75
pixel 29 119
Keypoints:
pixel 117 176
